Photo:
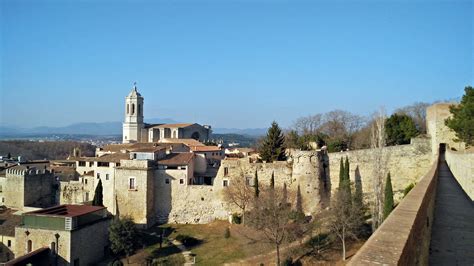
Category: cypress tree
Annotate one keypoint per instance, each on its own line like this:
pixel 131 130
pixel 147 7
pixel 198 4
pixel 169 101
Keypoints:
pixel 358 196
pixel 272 181
pixel 255 184
pixel 98 197
pixel 285 194
pixel 347 180
pixel 388 197
pixel 273 146
pixel 341 175
pixel 299 201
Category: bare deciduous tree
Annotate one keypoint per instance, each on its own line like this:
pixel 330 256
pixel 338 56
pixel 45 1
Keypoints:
pixel 344 219
pixel 239 193
pixel 308 124
pixel 417 112
pixel 276 220
pixel 380 156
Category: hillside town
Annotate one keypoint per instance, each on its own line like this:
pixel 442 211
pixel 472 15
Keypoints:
pixel 172 174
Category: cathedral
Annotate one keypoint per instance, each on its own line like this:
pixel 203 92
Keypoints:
pixel 136 131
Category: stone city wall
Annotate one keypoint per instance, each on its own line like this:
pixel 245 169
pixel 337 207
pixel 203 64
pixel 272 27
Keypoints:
pixel 461 164
pixel 406 163
pixel 404 237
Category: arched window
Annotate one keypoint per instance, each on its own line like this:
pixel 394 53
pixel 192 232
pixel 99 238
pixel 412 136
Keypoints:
pixel 133 108
pixel 29 246
pixel 128 108
pixel 139 109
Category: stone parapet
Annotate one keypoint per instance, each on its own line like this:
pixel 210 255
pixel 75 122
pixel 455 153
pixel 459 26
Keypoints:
pixel 404 237
pixel 461 164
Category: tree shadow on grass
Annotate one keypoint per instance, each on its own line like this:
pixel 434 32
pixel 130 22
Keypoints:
pixel 152 235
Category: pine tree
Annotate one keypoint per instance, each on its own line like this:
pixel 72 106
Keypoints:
pixel 462 120
pixel 388 197
pixel 98 197
pixel 299 201
pixel 273 146
pixel 272 181
pixel 255 184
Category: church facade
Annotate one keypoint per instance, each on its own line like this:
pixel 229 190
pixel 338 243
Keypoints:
pixel 135 130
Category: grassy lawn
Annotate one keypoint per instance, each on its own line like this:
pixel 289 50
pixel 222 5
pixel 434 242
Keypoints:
pixel 214 248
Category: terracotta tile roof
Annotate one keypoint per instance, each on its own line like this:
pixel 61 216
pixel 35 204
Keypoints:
pixel 149 149
pixel 205 148
pixel 187 142
pixel 116 147
pixel 90 173
pixel 66 210
pixel 132 147
pixel 175 125
pixel 8 221
pixel 111 158
pixel 177 159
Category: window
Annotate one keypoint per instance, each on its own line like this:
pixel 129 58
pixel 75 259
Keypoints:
pixel 117 164
pixel 91 164
pixel 85 181
pixel 98 175
pixel 87 196
pixel 3 199
pixel 82 163
pixel 167 181
pixel 106 176
pixel 1 189
pixel 128 109
pixel 9 243
pixel 103 164
pixel 131 183
pixel 225 183
pixel 139 109
pixel 29 246
pixel 133 108
pixel 181 181
pixel 226 171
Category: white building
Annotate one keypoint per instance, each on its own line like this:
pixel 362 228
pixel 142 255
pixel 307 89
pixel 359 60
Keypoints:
pixel 135 130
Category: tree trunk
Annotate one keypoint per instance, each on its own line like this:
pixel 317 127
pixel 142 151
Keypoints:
pixel 343 246
pixel 278 254
pixel 243 216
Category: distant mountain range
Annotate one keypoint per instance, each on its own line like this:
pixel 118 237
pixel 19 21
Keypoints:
pixel 113 128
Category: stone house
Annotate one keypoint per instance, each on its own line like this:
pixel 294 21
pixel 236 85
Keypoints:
pixel 72 234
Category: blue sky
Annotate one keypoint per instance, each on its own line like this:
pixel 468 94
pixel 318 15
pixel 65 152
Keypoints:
pixel 228 63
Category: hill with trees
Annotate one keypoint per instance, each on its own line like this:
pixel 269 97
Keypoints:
pixel 35 150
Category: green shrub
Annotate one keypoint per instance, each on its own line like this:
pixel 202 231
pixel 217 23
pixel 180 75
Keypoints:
pixel 408 189
pixel 236 218
pixel 227 232
pixel 287 262
pixel 116 263
pixel 188 241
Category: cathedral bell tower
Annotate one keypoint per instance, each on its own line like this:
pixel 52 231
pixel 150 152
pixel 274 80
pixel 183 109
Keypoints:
pixel 133 124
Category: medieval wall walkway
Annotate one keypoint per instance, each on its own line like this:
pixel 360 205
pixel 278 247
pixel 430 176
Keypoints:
pixel 452 237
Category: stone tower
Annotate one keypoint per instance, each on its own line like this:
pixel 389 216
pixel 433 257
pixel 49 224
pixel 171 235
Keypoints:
pixel 133 124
